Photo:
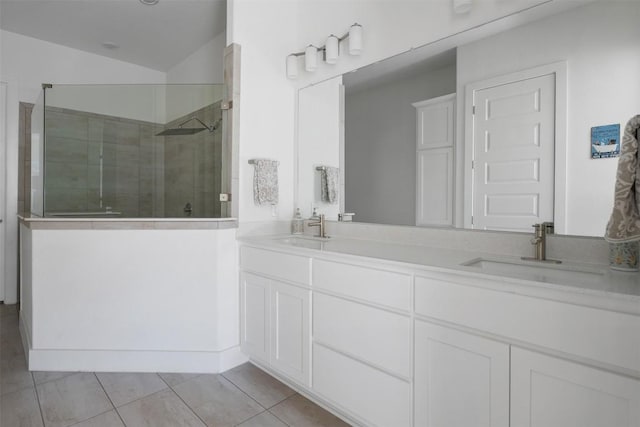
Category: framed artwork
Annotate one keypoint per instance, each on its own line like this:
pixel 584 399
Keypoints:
pixel 605 141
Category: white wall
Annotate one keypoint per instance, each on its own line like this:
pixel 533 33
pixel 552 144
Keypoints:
pixel 380 146
pixel 266 33
pixel 205 65
pixel 600 43
pixel 145 103
pixel 202 66
pixel 26 64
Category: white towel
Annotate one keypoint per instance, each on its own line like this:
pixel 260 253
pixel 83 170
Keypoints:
pixel 624 224
pixel 329 184
pixel 265 182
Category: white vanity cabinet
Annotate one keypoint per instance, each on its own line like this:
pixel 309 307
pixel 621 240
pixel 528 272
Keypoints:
pixel 388 344
pixel 543 390
pixel 275 315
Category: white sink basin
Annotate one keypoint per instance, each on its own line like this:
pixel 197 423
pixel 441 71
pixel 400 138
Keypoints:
pixel 538 271
pixel 304 242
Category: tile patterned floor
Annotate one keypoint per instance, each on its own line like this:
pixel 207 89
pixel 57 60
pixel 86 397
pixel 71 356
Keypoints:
pixel 244 396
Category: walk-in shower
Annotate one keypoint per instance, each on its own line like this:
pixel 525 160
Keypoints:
pixel 132 151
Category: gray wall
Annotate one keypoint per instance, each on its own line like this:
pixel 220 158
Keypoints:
pixel 380 146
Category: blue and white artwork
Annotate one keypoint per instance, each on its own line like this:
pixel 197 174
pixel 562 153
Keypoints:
pixel 605 141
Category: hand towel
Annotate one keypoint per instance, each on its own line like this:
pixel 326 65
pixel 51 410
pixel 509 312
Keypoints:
pixel 265 182
pixel 329 184
pixel 624 224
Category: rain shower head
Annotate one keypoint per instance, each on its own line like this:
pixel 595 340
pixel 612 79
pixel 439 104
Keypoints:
pixel 179 131
pixel 188 131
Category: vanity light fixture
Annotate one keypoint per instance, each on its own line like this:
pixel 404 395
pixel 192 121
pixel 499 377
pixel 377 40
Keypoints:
pixel 331 51
pixel 462 6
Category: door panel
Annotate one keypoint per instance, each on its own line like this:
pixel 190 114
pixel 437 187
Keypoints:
pixel 513 154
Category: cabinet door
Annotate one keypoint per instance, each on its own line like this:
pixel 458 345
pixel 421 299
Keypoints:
pixel 255 316
pixel 460 379
pixel 551 392
pixel 290 331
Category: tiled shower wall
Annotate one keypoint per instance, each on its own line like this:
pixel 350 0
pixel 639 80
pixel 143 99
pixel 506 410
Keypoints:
pixel 193 166
pixel 141 175
pixel 130 178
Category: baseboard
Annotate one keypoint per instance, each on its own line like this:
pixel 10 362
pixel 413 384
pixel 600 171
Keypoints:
pixel 130 361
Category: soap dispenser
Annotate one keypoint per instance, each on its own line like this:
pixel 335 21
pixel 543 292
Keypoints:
pixel 297 224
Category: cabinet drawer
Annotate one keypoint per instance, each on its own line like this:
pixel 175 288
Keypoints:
pixel 373 335
pixel 293 268
pixel 378 286
pixel 375 397
pixel 604 336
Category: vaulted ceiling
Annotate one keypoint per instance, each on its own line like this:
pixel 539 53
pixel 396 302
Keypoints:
pixel 157 37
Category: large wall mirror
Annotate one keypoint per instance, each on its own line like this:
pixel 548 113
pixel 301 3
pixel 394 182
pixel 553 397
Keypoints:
pixel 413 150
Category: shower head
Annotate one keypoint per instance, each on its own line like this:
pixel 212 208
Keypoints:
pixel 188 131
pixel 180 131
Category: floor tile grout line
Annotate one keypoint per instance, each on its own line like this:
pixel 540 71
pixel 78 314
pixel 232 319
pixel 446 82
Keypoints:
pixel 95 416
pixel 56 379
pixel 267 408
pixel 278 418
pixel 182 400
pixel 35 390
pixel 242 391
pixel 109 397
pixel 250 418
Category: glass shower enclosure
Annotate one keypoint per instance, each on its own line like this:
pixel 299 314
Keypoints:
pixel 129 151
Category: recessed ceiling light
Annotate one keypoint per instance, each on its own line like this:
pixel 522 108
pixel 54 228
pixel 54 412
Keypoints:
pixel 149 2
pixel 110 45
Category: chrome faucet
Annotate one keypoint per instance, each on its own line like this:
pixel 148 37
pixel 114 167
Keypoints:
pixel 540 241
pixel 320 224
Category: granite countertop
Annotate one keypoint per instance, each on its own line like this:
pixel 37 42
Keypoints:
pixel 586 284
